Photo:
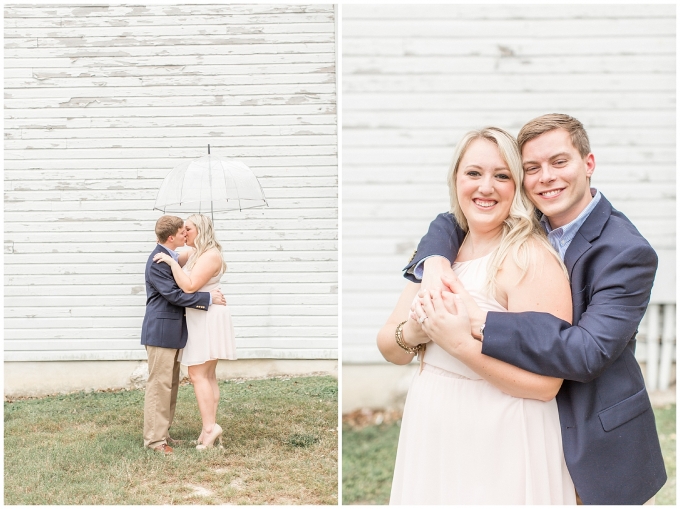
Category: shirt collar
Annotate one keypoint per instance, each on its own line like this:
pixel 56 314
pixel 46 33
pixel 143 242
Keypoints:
pixel 568 231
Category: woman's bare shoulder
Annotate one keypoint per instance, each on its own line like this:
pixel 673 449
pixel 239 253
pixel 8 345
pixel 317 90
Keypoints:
pixel 545 255
pixel 210 257
pixel 543 268
pixel 214 253
pixel 543 287
pixel 539 252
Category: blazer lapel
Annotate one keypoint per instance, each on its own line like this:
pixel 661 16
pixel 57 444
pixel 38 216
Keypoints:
pixel 578 246
pixel 589 231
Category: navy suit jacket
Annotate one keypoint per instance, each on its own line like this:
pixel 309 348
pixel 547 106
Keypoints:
pixel 608 429
pixel 165 323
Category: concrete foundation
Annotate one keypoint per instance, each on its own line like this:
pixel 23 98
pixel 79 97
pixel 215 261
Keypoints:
pixel 42 378
pixel 375 385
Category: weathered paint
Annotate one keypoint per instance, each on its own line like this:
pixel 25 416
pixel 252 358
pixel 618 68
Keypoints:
pixel 416 78
pixel 101 102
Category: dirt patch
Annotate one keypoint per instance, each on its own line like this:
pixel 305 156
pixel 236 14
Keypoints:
pixel 370 417
pixel 237 484
pixel 198 491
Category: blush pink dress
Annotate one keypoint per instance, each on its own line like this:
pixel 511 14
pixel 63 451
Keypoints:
pixel 211 333
pixel 463 441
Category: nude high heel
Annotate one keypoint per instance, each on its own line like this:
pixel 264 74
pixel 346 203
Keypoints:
pixel 209 440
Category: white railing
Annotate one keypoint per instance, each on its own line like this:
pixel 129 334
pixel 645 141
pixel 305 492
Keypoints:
pixel 656 345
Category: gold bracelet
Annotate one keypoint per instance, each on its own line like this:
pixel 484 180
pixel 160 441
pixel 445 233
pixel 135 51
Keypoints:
pixel 399 336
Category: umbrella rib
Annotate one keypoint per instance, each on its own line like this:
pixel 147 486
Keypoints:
pixel 200 192
pixel 212 217
pixel 238 195
pixel 264 198
pixel 159 192
pixel 181 188
pixel 226 191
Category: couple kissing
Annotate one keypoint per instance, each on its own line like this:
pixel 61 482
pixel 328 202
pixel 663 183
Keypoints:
pixel 186 322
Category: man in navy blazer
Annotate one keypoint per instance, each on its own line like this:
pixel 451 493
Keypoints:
pixel 164 333
pixel 609 436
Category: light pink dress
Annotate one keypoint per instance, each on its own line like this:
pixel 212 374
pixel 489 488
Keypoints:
pixel 211 333
pixel 463 441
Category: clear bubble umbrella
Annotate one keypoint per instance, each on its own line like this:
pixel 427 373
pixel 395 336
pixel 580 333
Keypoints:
pixel 209 184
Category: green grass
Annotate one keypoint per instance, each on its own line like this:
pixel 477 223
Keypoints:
pixel 665 425
pixel 280 447
pixel 368 456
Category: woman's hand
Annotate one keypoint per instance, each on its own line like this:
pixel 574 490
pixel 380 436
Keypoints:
pixel 413 334
pixel 444 319
pixel 162 257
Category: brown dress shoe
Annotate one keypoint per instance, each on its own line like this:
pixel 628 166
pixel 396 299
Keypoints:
pixel 164 448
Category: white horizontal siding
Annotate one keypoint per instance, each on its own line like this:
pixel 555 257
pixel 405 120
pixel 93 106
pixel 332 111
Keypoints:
pixel 416 78
pixel 101 103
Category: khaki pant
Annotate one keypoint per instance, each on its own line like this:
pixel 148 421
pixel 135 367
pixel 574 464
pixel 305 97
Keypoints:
pixel 160 397
pixel 651 501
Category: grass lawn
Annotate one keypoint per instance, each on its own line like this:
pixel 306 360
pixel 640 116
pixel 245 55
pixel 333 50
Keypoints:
pixel 665 424
pixel 368 455
pixel 280 447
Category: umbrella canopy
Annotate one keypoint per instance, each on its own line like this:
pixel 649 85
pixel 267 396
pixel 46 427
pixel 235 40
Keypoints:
pixel 209 184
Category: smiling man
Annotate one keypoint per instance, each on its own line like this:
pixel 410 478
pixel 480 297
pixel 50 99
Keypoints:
pixel 609 436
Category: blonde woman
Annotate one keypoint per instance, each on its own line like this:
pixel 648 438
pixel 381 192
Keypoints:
pixel 482 431
pixel 211 333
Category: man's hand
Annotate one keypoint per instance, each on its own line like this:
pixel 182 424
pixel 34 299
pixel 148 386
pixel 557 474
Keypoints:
pixel 449 330
pixel 434 268
pixel 218 298
pixel 477 316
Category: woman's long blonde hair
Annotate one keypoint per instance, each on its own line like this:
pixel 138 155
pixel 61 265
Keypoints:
pixel 205 239
pixel 521 224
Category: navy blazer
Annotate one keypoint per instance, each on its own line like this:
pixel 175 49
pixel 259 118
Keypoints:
pixel 165 323
pixel 609 436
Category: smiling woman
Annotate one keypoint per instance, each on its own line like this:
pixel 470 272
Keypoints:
pixel 483 185
pixel 464 408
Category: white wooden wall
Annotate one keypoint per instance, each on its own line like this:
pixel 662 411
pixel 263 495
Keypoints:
pixel 416 78
pixel 101 103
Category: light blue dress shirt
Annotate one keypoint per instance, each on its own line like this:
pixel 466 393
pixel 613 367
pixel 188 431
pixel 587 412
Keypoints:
pixel 172 253
pixel 561 237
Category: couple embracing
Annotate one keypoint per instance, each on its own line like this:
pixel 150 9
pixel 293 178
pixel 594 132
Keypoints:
pixel 528 390
pixel 187 322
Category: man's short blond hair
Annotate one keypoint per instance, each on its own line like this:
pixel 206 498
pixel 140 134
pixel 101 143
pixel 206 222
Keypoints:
pixel 540 125
pixel 167 226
